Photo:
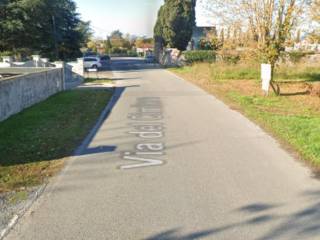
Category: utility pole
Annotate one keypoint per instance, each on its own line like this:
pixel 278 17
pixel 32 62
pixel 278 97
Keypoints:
pixel 55 37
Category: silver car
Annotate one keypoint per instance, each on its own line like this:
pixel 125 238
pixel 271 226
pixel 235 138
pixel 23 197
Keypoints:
pixel 92 63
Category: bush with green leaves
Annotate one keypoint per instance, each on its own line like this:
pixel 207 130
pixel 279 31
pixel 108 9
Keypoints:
pixel 132 53
pixel 199 56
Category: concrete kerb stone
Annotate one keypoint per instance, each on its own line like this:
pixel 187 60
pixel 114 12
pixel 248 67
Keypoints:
pixel 20 214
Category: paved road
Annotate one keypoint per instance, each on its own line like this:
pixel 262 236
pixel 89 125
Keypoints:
pixel 172 162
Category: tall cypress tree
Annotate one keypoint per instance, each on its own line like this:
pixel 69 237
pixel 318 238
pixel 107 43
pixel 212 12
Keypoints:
pixel 175 23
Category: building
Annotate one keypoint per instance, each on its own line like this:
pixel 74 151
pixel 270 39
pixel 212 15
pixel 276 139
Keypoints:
pixel 145 49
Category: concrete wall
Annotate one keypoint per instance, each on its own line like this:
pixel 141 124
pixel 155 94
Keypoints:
pixel 19 92
pixel 23 70
pixel 37 61
pixel 73 71
pixel 76 70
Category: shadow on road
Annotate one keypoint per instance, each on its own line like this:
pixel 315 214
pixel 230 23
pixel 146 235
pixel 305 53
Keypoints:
pixel 174 235
pixel 128 64
pixel 84 149
pixel 302 224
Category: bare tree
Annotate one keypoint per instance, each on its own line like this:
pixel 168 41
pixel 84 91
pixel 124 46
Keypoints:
pixel 270 22
pixel 315 10
pixel 314 35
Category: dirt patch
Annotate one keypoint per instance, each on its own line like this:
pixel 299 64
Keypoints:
pixel 304 95
pixel 314 89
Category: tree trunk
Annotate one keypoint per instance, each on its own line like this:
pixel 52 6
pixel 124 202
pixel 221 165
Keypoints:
pixel 275 86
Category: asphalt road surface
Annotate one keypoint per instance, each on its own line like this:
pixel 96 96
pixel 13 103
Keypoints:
pixel 173 162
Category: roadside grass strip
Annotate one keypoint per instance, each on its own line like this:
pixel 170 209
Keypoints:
pixel 293 118
pixel 34 142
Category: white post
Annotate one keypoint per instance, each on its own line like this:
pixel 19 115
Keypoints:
pixel 36 58
pixel 80 67
pixel 7 59
pixel 45 61
pixel 266 74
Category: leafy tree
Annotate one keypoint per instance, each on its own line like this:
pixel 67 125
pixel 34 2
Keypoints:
pixel 142 42
pixel 51 28
pixel 117 40
pixel 12 26
pixel 92 46
pixel 107 45
pixel 116 34
pixel 175 23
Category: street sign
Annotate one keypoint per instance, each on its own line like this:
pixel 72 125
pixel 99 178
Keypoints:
pixel 266 77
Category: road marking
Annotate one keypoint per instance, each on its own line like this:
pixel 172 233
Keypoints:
pixel 146 162
pixel 146 125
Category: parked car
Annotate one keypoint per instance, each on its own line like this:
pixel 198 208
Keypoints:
pixel 92 63
pixel 105 60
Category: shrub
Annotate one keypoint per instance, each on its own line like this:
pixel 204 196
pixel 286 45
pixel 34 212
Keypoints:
pixel 229 56
pixel 117 50
pixel 132 53
pixel 199 56
pixel 233 59
pixel 296 56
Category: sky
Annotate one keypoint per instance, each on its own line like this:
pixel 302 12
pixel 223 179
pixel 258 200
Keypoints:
pixel 136 17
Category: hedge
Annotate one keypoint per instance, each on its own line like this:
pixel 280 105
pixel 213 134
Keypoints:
pixel 199 56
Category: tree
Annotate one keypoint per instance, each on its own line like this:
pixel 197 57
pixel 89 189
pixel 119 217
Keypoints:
pixel 107 45
pixel 116 34
pixel 270 21
pixel 143 42
pixel 117 40
pixel 222 36
pixel 315 10
pixel 50 28
pixel 92 46
pixel 315 15
pixel 175 23
pixel 298 36
pixel 12 27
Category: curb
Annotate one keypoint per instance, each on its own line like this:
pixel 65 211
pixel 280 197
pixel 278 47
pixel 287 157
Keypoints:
pixel 18 215
pixel 105 113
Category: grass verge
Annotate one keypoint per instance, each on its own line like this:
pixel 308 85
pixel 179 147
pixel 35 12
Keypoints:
pixel 241 71
pixel 294 118
pixel 33 142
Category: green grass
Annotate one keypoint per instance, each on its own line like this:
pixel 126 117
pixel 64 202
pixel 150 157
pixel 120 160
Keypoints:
pixel 221 71
pixel 298 73
pixel 98 80
pixel 298 127
pixel 33 141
